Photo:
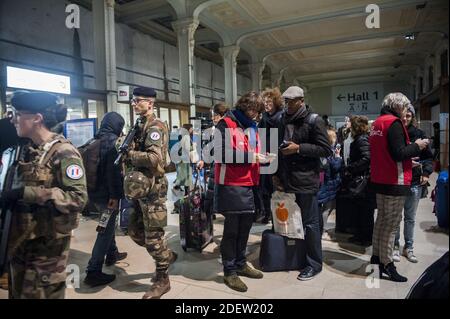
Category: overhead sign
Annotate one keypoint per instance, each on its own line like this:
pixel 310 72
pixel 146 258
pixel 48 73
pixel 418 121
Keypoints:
pixel 123 93
pixel 36 80
pixel 357 99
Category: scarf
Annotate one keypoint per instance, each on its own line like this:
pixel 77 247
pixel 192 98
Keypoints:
pixel 247 123
pixel 290 119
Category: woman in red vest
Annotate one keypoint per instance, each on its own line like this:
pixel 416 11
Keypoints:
pixel 390 174
pixel 236 176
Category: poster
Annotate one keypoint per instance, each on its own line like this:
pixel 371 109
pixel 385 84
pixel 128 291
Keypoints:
pixel 80 131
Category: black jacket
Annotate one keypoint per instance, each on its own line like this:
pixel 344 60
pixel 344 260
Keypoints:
pixel 359 159
pixel 399 150
pixel 109 178
pixel 425 157
pixel 299 173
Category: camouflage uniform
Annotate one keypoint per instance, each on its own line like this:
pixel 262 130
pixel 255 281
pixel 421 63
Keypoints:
pixel 149 156
pixel 54 195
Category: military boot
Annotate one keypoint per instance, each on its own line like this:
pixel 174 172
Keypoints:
pixel 160 286
pixel 173 258
pixel 235 283
pixel 250 272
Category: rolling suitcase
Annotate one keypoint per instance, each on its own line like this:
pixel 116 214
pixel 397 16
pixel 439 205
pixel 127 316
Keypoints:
pixel 196 227
pixel 279 253
pixel 442 199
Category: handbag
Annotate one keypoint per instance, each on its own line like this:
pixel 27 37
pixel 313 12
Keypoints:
pixel 358 185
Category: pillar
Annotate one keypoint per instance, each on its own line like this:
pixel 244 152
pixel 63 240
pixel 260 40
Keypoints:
pixel 256 70
pixel 229 54
pixel 185 30
pixel 105 50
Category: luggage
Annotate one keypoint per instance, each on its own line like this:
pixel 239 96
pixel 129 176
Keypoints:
pixel 345 214
pixel 125 206
pixel 279 253
pixel 196 227
pixel 434 282
pixel 442 199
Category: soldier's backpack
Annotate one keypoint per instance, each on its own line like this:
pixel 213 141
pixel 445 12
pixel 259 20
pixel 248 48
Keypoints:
pixel 90 152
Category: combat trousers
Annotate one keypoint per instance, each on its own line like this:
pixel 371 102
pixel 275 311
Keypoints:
pixel 38 269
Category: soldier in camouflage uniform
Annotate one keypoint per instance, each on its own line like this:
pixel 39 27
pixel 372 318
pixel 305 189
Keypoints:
pixel 49 192
pixel 149 156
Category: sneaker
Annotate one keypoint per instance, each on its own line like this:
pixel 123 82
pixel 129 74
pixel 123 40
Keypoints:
pixel 250 272
pixel 307 274
pixel 119 256
pixel 326 236
pixel 396 255
pixel 235 283
pixel 409 254
pixel 95 279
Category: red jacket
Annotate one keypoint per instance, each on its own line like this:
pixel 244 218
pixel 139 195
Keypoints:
pixel 232 173
pixel 383 168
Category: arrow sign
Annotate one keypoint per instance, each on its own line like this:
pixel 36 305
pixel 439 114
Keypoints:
pixel 340 97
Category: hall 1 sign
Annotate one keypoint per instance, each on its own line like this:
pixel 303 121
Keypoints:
pixel 357 99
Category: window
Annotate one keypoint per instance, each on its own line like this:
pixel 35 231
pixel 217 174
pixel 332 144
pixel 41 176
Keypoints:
pixel 74 108
pixel 175 114
pixel 164 114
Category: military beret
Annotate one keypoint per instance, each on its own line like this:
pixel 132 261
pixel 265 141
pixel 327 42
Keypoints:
pixel 35 102
pixel 144 91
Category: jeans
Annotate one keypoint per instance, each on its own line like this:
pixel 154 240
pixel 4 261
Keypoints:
pixel 236 230
pixel 311 223
pixel 410 209
pixel 105 245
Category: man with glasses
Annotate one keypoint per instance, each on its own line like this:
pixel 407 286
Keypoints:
pixel 148 158
pixel 305 141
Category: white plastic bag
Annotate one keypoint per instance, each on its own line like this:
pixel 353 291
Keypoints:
pixel 286 216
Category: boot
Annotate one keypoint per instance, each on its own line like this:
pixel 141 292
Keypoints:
pixel 173 258
pixel 159 287
pixel 94 279
pixel 250 272
pixel 235 283
pixel 118 256
pixel 392 273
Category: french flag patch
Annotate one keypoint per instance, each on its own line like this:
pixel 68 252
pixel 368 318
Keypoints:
pixel 74 172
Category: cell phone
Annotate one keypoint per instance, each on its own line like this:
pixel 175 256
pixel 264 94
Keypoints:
pixel 338 146
pixel 284 144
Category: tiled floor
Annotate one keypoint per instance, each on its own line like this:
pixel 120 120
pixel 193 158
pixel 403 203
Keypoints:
pixel 200 276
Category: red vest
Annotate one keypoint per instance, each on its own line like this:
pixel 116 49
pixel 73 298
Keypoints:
pixel 383 169
pixel 237 174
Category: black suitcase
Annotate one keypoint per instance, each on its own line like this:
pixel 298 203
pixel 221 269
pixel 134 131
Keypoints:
pixel 196 226
pixel 279 253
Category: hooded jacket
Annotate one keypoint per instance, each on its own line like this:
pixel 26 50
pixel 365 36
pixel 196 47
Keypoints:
pixel 111 186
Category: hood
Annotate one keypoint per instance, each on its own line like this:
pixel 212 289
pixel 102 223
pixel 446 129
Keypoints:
pixel 112 123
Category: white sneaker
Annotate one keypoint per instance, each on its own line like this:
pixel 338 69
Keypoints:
pixel 396 255
pixel 409 254
pixel 326 236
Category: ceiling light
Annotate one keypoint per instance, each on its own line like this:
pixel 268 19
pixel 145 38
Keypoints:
pixel 410 36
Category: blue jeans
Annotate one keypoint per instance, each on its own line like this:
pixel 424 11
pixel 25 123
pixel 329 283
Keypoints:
pixel 410 209
pixel 105 245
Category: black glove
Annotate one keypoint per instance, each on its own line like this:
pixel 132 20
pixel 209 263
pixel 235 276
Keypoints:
pixel 12 196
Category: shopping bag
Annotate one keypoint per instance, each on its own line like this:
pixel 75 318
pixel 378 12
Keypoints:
pixel 286 216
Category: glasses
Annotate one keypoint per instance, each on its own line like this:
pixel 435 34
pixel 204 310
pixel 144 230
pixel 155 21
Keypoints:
pixel 137 100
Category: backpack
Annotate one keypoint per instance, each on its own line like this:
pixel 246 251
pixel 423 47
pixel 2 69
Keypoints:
pixel 90 152
pixel 311 120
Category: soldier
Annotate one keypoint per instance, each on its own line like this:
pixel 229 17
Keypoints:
pixel 49 191
pixel 145 166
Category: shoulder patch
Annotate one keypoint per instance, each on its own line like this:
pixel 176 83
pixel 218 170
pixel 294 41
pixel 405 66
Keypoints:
pixel 155 136
pixel 74 171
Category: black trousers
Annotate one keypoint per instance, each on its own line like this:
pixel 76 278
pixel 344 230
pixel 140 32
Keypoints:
pixel 236 230
pixel 310 217
pixel 364 218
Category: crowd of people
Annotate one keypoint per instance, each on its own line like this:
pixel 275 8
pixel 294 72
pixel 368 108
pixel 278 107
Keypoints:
pixel 383 166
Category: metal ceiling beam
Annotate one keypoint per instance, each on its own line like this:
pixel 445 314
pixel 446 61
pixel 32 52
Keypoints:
pixel 146 15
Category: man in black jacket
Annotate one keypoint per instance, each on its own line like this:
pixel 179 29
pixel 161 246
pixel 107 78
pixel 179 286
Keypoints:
pixel 305 142
pixel 422 169
pixel 106 196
